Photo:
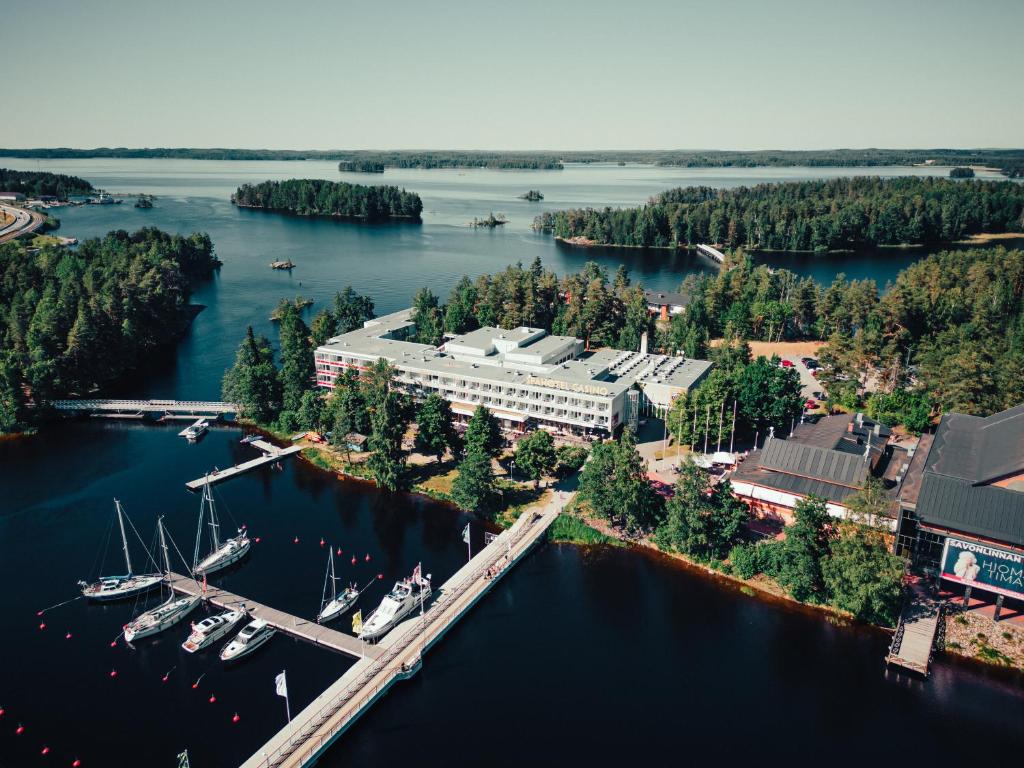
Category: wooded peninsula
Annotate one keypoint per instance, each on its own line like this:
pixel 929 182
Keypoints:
pixel 836 214
pixel 36 183
pixel 315 197
pixel 77 320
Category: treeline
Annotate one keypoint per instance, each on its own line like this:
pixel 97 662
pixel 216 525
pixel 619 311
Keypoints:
pixel 803 216
pixel 453 159
pixel 36 183
pixel 315 197
pixel 602 310
pixel 1009 161
pixel 78 320
pixel 360 166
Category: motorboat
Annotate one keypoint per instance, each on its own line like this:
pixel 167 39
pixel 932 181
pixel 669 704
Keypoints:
pixel 211 629
pixel 194 431
pixel 403 598
pixel 120 587
pixel 253 635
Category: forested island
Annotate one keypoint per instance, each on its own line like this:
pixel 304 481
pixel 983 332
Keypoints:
pixel 79 320
pixel 1009 161
pixel 802 216
pixel 961 172
pixel 315 197
pixel 533 196
pixel 360 166
pixel 36 183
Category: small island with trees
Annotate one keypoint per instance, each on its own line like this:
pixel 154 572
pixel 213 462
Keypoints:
pixel 360 166
pixel 961 172
pixel 316 197
pixel 42 183
pixel 490 222
pixel 533 196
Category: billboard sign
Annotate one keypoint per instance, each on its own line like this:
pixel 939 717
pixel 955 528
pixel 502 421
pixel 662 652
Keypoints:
pixel 979 565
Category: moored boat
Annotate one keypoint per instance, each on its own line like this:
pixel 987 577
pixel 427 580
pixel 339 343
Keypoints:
pixel 120 587
pixel 253 635
pixel 195 431
pixel 396 605
pixel 166 614
pixel 211 629
pixel 222 553
pixel 334 606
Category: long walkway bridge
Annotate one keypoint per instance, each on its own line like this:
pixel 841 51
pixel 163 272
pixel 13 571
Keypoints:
pixel 912 644
pixel 296 626
pixel 141 409
pixel 311 731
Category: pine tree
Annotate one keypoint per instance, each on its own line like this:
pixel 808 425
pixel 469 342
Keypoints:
pixel 473 489
pixel 252 382
pixel 298 370
pixel 427 317
pixel 388 421
pixel 484 432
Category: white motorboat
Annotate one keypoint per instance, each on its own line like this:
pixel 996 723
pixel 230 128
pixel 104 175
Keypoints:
pixel 253 635
pixel 222 553
pixel 120 587
pixel 195 431
pixel 211 629
pixel 168 613
pixel 399 603
pixel 334 606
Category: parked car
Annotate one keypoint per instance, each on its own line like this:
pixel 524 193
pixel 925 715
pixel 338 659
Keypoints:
pixel 786 363
pixel 811 364
pixel 810 404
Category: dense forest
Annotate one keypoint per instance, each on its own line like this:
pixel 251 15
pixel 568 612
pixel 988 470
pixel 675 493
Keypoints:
pixel 1009 161
pixel 360 166
pixel 77 320
pixel 315 197
pixel 803 216
pixel 35 183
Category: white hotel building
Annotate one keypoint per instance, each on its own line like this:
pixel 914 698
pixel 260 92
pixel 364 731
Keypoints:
pixel 524 376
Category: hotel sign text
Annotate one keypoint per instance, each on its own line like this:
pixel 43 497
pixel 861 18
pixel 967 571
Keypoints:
pixel 586 389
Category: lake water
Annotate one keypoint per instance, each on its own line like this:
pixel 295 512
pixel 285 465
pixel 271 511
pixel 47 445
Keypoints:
pixel 579 656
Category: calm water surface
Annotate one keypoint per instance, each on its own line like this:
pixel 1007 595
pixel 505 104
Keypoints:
pixel 579 656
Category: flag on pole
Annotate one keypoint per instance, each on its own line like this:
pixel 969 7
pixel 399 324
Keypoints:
pixel 465 533
pixel 357 622
pixel 417 575
pixel 281 685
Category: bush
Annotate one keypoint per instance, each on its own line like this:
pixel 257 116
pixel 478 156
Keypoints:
pixel 744 560
pixel 569 459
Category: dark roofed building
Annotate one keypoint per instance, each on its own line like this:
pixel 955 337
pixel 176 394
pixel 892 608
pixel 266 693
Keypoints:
pixel 963 501
pixel 666 303
pixel 829 459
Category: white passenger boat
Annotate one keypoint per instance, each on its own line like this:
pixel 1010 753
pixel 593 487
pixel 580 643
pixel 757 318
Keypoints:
pixel 222 553
pixel 208 631
pixel 404 597
pixel 335 605
pixel 120 587
pixel 165 615
pixel 195 431
pixel 253 635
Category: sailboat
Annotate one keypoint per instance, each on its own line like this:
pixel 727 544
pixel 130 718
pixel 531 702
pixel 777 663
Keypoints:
pixel 222 554
pixel 166 614
pixel 119 587
pixel 336 605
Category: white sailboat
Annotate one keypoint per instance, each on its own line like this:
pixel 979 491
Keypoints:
pixel 253 635
pixel 334 606
pixel 399 603
pixel 120 587
pixel 222 554
pixel 211 629
pixel 165 615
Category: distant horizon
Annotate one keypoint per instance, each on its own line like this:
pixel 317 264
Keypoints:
pixel 547 150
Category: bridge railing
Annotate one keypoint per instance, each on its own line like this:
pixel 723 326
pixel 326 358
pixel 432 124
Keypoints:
pixel 432 616
pixel 144 405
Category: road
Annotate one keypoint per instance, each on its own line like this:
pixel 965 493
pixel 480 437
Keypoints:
pixel 24 222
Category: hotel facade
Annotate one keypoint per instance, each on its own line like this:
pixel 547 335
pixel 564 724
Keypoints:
pixel 524 376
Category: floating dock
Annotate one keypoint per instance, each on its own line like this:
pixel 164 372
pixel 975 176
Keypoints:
pixel 302 741
pixel 912 644
pixel 296 626
pixel 271 454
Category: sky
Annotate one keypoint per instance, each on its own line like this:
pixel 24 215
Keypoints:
pixel 522 74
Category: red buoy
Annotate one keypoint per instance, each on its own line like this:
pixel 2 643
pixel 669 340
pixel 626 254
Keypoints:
pixel 213 699
pixel 257 539
pixel 380 576
pixel 67 636
pixel 39 613
pixel 235 718
pixel 353 559
pixel 113 673
pixel 296 540
pixel 367 557
pixel 44 751
pixel 113 643
pixel 20 729
pixel 322 542
pixel 1 711
pixel 244 526
pixel 76 763
pixel 165 677
pixel 195 685
pixel 42 625
pixel 339 551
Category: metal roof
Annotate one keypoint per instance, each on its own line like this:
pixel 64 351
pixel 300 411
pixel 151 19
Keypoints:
pixel 989 511
pixel 810 461
pixel 979 449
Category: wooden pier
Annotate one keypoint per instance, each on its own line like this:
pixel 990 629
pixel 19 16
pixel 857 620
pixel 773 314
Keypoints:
pixel 302 741
pixel 912 644
pixel 712 253
pixel 296 626
pixel 271 454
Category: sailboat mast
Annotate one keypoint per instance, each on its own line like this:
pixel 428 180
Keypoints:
pixel 334 580
pixel 214 526
pixel 199 526
pixel 124 538
pixel 163 545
